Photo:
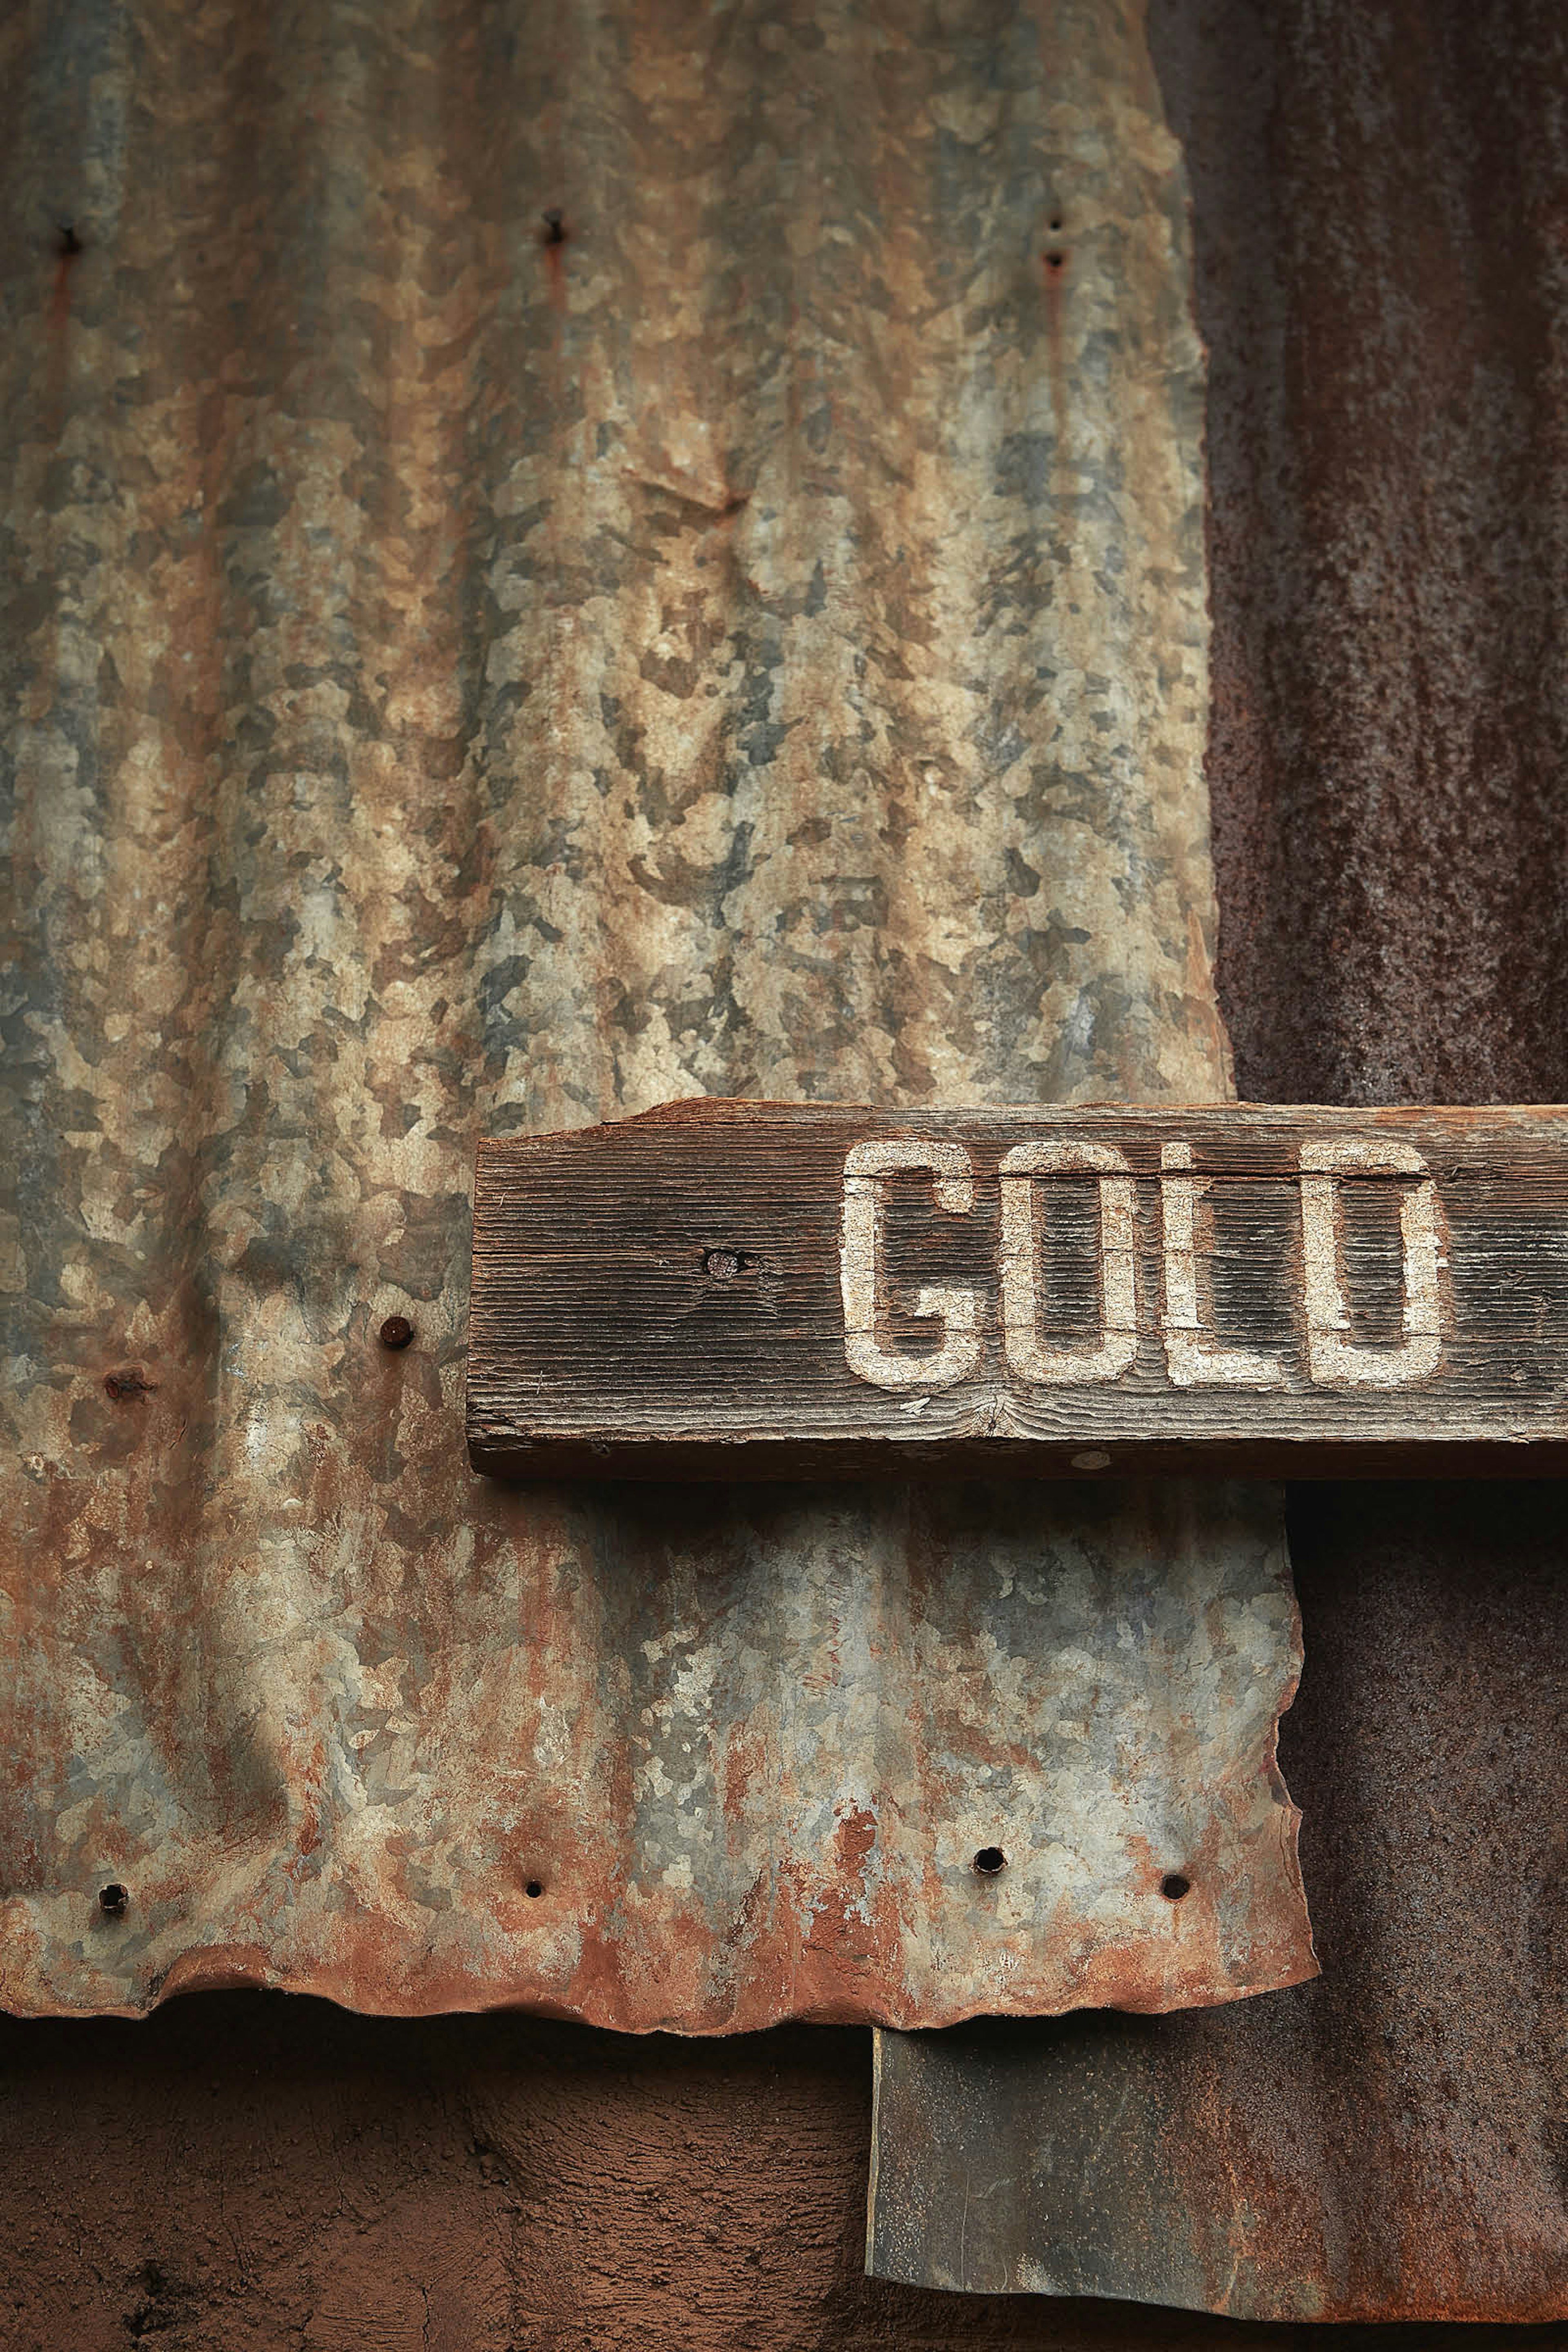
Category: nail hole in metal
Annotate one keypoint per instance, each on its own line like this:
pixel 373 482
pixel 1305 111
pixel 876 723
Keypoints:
pixel 112 1900
pixel 535 1887
pixel 396 1331
pixel 1172 1886
pixel 990 1860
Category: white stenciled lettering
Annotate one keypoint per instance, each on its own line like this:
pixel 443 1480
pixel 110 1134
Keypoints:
pixel 1331 1357
pixel 1193 1357
pixel 1030 1356
pixel 860 1269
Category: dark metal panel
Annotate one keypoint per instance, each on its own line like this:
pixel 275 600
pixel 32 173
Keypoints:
pixel 1379 239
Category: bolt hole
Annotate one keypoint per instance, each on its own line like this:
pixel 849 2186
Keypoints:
pixel 1056 261
pixel 536 1887
pixel 396 1331
pixel 1056 222
pixel 68 245
pixel 990 1860
pixel 112 1900
pixel 721 1265
pixel 554 227
pixel 1172 1886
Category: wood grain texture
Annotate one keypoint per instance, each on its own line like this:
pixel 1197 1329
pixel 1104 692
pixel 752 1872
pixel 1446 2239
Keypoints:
pixel 728 1289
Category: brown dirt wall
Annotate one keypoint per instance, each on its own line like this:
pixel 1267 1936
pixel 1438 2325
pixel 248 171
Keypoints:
pixel 250 2171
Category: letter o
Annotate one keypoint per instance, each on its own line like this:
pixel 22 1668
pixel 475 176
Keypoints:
pixel 1028 1355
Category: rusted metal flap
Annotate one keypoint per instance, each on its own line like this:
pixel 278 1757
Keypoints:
pixel 469 673
pixel 1382 2144
pixel 733 1759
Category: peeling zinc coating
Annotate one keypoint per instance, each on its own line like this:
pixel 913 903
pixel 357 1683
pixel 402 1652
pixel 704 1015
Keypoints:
pixel 471 672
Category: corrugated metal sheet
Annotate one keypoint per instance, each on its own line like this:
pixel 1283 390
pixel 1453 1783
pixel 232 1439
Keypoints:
pixel 1379 238
pixel 553 563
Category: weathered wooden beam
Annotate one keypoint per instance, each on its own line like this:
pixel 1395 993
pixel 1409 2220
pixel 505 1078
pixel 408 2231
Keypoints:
pixel 736 1289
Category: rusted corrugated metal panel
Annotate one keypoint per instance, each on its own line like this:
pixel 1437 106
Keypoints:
pixel 1379 235
pixel 554 563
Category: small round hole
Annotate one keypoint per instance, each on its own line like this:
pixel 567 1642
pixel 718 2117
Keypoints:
pixel 1055 260
pixel 1172 1886
pixel 990 1860
pixel 112 1900
pixel 1056 223
pixel 536 1887
pixel 396 1331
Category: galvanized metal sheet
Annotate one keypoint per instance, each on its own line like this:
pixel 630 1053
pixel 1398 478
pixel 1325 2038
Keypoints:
pixel 474 673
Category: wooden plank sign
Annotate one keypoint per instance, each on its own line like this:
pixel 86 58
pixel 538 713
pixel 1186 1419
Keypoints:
pixel 732 1288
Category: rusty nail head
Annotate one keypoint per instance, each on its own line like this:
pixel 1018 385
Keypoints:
pixel 396 1331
